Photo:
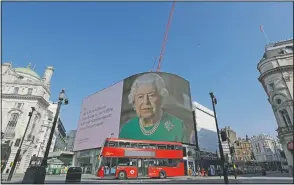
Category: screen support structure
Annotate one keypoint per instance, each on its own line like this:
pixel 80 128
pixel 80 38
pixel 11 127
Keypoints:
pixel 197 158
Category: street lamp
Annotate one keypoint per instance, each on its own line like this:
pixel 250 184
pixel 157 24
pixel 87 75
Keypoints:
pixel 17 155
pixel 214 102
pixel 61 100
pixel 31 176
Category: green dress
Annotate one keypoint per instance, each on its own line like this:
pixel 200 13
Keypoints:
pixel 170 128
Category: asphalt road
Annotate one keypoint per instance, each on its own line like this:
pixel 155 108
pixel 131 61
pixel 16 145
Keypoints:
pixel 271 178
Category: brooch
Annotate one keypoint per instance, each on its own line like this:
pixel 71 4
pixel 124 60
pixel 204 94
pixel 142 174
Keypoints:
pixel 168 126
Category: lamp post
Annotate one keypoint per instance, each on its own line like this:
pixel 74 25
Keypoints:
pixel 61 100
pixel 214 102
pixel 39 177
pixel 19 148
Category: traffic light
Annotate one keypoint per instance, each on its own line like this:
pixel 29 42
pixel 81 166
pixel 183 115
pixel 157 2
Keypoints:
pixel 224 135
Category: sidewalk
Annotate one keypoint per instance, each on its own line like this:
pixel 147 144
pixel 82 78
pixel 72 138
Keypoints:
pixel 230 177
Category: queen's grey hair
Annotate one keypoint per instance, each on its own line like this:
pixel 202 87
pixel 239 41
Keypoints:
pixel 148 79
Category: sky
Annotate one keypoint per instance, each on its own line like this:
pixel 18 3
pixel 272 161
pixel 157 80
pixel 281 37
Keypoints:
pixel 92 45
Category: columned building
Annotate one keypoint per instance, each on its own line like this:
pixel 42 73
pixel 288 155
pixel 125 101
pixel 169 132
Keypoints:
pixel 243 151
pixel 276 77
pixel 267 150
pixel 23 88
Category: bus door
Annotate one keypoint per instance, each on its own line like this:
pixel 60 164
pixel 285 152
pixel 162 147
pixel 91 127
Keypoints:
pixel 142 165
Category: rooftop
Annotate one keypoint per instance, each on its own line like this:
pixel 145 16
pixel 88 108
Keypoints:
pixel 27 70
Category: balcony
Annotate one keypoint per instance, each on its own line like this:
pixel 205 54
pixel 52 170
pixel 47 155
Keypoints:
pixel 285 130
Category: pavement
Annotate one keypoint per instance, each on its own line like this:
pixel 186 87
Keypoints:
pixel 271 178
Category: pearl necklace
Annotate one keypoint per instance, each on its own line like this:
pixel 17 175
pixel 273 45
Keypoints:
pixel 150 132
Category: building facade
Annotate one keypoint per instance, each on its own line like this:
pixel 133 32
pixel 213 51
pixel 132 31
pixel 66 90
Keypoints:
pixel 243 150
pixel 23 88
pixel 226 148
pixel 206 128
pixel 231 138
pixel 70 140
pixel 276 77
pixel 60 134
pixel 267 150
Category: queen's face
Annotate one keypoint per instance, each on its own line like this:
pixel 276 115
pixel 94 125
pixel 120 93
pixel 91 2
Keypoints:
pixel 147 101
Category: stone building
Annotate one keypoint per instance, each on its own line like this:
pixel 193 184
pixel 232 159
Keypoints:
pixel 267 150
pixel 232 137
pixel 276 77
pixel 243 150
pixel 60 143
pixel 23 88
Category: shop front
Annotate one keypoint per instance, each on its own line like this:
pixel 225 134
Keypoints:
pixel 191 161
pixel 88 160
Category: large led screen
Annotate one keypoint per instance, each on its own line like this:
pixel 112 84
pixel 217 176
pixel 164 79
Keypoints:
pixel 146 106
pixel 156 106
pixel 99 118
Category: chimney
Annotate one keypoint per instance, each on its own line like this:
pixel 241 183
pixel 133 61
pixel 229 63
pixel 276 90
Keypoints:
pixel 48 75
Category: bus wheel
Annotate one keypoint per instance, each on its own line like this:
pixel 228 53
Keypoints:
pixel 122 175
pixel 162 175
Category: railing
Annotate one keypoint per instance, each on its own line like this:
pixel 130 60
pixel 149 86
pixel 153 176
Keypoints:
pixel 285 130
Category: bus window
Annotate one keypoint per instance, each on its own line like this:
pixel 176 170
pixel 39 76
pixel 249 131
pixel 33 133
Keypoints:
pixel 170 147
pixel 161 147
pixel 106 143
pixel 133 162
pixel 153 162
pixel 134 145
pixel 140 145
pixel 173 162
pixel 123 161
pixel 177 147
pixel 124 145
pixel 113 144
pixel 153 146
pixel 162 162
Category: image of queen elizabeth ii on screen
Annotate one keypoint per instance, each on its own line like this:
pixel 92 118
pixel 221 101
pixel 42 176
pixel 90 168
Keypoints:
pixel 151 122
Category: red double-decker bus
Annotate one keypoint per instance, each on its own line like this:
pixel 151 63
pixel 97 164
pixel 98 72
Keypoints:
pixel 135 158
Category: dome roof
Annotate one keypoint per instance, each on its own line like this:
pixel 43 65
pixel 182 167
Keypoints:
pixel 28 71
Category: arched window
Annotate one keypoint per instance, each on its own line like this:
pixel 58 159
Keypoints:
pixel 286 118
pixel 9 133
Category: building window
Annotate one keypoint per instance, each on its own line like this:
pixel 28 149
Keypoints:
pixel 286 118
pixel 278 101
pixel 271 87
pixel 18 105
pixel 34 124
pixel 16 89
pixel 259 147
pixel 9 133
pixel 30 90
pixel 17 142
